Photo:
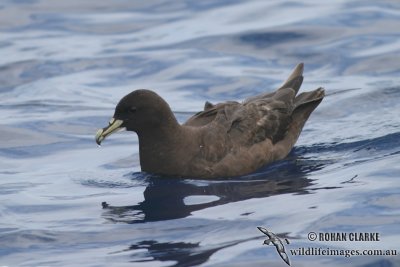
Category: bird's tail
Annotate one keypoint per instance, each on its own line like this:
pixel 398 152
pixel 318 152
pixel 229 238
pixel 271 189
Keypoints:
pixel 304 105
pixel 308 100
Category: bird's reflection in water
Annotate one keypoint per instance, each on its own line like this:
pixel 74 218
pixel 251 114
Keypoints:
pixel 164 199
pixel 183 254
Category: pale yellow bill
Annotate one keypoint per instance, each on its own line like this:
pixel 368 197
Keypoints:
pixel 114 126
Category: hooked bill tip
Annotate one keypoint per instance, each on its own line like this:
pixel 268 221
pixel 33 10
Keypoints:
pixel 99 137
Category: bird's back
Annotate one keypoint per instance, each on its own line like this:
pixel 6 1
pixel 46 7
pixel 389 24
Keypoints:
pixel 239 138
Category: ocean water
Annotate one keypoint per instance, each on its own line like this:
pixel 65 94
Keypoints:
pixel 65 64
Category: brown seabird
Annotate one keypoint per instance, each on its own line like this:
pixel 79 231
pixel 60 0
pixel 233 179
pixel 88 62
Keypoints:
pixel 224 140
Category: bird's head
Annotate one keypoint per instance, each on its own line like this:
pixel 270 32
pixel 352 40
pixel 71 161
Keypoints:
pixel 140 111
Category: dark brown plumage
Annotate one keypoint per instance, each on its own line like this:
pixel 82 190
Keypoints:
pixel 226 139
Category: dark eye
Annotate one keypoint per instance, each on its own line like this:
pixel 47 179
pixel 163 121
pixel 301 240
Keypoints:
pixel 132 109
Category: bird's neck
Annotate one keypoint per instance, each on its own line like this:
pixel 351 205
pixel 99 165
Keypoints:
pixel 160 147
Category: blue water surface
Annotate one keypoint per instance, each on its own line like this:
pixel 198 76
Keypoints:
pixel 65 64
